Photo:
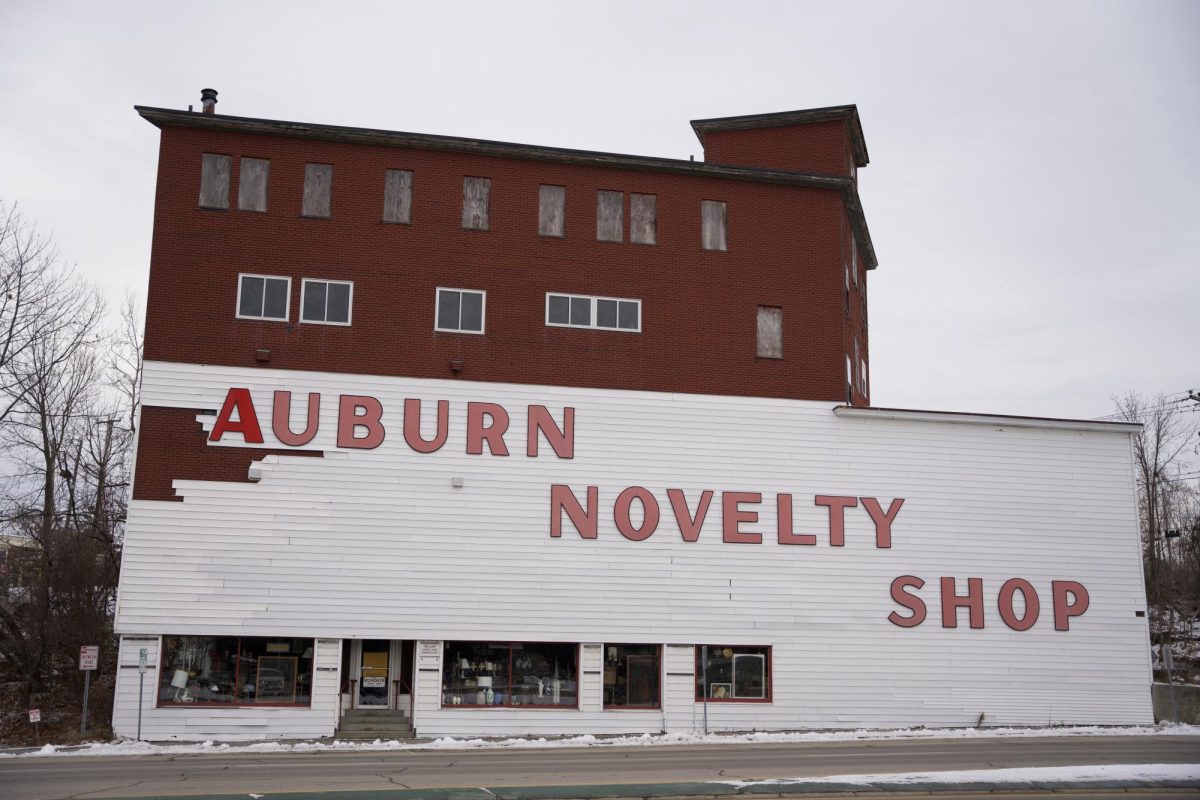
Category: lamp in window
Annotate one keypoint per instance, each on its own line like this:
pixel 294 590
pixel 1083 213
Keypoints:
pixel 180 681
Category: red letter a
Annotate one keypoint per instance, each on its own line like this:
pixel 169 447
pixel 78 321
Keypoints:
pixel 247 422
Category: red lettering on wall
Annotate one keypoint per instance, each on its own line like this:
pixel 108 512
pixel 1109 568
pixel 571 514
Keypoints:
pixel 650 513
pixel 909 601
pixel 689 525
pixel 247 422
pixel 837 516
pixel 883 521
pixel 732 516
pixel 783 506
pixel 1005 603
pixel 562 498
pixel 477 432
pixel 412 426
pixel 561 440
pixel 280 419
pixel 1070 600
pixel 359 411
pixel 951 602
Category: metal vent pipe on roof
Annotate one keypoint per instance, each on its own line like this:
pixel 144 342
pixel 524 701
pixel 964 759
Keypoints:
pixel 208 100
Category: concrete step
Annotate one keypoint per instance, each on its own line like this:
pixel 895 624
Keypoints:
pixel 375 712
pixel 371 735
pixel 373 724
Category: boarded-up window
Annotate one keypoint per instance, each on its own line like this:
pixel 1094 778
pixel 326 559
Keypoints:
pixel 643 218
pixel 552 209
pixel 712 225
pixel 318 188
pixel 252 184
pixel 397 195
pixel 214 180
pixel 475 203
pixel 770 332
pixel 610 212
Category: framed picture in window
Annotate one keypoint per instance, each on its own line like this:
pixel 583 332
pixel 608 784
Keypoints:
pixel 720 691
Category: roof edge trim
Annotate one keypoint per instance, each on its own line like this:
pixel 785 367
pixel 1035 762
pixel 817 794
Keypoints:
pixel 1000 420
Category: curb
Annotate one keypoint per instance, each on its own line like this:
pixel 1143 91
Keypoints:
pixel 640 791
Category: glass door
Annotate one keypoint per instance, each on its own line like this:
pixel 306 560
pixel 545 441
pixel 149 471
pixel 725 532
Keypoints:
pixel 373 682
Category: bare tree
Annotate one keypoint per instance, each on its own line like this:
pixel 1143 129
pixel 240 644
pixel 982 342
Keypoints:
pixel 40 299
pixel 1169 509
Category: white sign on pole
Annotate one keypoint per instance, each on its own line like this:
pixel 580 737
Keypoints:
pixel 89 655
pixel 142 660
pixel 35 715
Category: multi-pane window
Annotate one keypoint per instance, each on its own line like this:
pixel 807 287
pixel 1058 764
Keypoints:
pixel 214 180
pixel 510 674
pixel 552 208
pixel 733 673
pixel 631 675
pixel 581 311
pixel 713 221
pixel 476 192
pixel 252 184
pixel 263 297
pixel 849 380
pixel 460 310
pixel 235 671
pixel 318 190
pixel 326 301
pixel 770 332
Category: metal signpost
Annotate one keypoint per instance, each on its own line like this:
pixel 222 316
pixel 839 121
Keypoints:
pixel 141 687
pixel 89 654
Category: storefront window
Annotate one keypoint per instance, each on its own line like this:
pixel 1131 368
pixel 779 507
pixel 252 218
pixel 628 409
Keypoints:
pixel 235 671
pixel 733 673
pixel 510 674
pixel 631 676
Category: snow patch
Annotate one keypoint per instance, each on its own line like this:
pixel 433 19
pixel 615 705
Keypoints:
pixel 1017 775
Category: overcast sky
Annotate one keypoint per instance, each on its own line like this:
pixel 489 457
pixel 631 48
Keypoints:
pixel 1033 192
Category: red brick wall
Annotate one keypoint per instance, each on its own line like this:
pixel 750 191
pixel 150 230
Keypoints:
pixel 172 446
pixel 816 147
pixel 698 307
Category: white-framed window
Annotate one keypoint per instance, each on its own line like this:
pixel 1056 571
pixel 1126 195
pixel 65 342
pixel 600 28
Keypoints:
pixel 849 379
pixel 326 302
pixel 582 311
pixel 460 310
pixel 862 376
pixel 263 297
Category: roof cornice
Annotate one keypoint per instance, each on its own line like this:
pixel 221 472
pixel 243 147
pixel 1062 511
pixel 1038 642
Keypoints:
pixel 172 118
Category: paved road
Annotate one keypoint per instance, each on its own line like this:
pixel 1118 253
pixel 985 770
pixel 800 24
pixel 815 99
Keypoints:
pixel 60 777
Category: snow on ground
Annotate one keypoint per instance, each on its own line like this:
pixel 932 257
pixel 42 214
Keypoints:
pixel 133 748
pixel 1106 773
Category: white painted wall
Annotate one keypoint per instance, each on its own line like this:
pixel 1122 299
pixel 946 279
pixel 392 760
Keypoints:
pixel 378 544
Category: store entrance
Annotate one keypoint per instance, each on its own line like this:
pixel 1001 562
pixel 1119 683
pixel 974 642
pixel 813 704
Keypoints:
pixel 373 680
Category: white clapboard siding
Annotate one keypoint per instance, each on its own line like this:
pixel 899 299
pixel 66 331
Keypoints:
pixel 381 544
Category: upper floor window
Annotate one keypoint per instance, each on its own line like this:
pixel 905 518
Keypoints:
pixel 610 216
pixel 214 180
pixel 770 332
pixel 643 218
pixel 326 302
pixel 252 184
pixel 397 196
pixel 318 190
pixel 552 208
pixel 475 203
pixel 713 220
pixel 263 297
pixel 581 311
pixel 460 310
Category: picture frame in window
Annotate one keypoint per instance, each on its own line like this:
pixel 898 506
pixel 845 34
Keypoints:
pixel 720 691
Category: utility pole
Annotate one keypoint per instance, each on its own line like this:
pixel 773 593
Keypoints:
pixel 102 477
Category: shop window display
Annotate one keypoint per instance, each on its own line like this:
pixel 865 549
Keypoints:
pixel 526 674
pixel 733 673
pixel 631 676
pixel 235 671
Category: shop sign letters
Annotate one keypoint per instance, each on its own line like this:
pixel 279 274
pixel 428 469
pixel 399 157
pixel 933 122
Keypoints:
pixel 360 426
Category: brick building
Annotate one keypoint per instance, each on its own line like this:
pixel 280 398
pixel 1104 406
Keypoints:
pixel 521 363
